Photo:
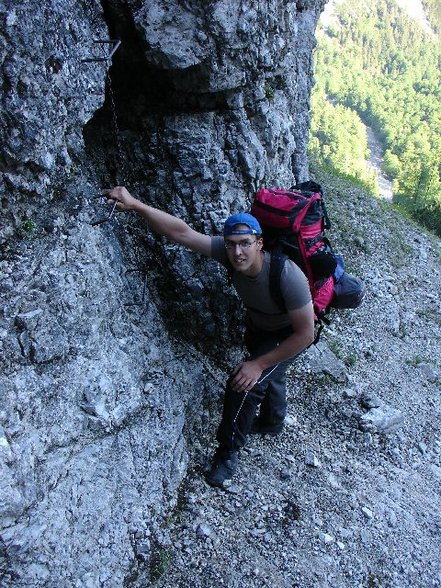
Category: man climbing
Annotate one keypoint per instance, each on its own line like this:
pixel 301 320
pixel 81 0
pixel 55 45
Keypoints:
pixel 273 338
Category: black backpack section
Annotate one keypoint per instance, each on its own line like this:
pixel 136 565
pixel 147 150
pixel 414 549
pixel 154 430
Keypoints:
pixel 294 223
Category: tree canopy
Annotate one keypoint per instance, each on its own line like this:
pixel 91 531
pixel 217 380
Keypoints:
pixel 376 65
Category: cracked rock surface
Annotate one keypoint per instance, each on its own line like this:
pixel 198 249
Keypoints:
pixel 112 341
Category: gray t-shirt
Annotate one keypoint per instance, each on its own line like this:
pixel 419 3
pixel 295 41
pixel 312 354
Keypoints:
pixel 262 311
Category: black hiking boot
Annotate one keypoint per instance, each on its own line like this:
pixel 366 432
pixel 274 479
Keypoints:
pixel 223 467
pixel 261 428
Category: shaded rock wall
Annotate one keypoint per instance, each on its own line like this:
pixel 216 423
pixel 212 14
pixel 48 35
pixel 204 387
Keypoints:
pixel 111 339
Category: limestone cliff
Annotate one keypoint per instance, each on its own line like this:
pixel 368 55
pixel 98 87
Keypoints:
pixel 111 339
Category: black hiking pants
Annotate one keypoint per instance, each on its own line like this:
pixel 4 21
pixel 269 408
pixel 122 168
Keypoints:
pixel 240 408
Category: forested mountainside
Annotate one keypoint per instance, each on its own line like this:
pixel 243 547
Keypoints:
pixel 378 66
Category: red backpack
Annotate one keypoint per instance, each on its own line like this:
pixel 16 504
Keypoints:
pixel 293 224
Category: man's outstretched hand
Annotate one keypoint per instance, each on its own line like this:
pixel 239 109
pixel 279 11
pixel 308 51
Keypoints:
pixel 124 200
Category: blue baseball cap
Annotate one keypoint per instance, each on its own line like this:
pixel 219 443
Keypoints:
pixel 242 218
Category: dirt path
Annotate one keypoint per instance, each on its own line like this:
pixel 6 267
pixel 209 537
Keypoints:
pixel 375 162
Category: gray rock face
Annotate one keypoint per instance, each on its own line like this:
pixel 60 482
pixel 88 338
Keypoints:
pixel 107 333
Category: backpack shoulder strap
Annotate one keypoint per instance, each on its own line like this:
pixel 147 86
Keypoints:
pixel 230 272
pixel 278 259
pixel 277 263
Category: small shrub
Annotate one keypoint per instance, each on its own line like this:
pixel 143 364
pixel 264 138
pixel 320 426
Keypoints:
pixel 28 226
pixel 269 91
pixel 160 562
pixel 350 360
pixel 416 360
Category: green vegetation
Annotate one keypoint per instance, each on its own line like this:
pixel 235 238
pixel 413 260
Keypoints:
pixel 28 226
pixel 350 360
pixel 335 346
pixel 417 360
pixel 376 66
pixel 160 563
pixel 338 140
pixel 269 91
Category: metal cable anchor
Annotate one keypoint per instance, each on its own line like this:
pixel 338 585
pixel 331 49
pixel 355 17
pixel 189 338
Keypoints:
pixel 108 217
pixel 116 43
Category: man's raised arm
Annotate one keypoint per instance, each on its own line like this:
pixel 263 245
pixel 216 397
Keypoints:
pixel 161 222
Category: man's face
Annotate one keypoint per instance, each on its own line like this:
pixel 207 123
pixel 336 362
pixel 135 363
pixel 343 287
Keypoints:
pixel 243 251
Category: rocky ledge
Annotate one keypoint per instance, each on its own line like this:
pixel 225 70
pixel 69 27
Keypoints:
pixel 348 494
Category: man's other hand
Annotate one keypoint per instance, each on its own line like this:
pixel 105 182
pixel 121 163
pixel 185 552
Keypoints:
pixel 245 376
